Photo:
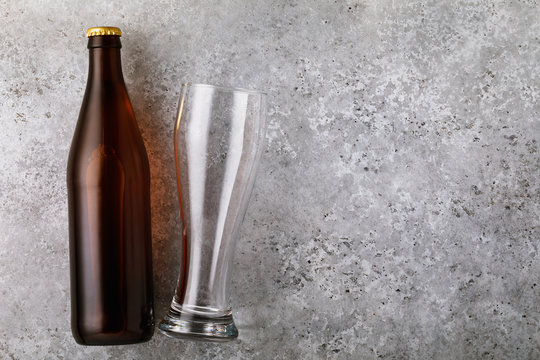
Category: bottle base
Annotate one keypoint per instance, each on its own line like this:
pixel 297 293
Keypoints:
pixel 105 337
pixel 108 340
pixel 183 324
pixel 111 343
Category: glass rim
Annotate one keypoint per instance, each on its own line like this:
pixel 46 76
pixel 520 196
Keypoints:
pixel 224 88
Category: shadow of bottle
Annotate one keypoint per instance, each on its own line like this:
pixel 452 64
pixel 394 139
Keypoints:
pixel 155 99
pixel 155 105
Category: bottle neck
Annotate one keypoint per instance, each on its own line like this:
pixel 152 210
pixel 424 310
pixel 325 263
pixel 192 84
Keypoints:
pixel 105 62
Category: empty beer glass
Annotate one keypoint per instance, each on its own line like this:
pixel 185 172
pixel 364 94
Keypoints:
pixel 218 141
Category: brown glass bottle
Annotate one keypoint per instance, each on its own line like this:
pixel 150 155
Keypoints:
pixel 108 181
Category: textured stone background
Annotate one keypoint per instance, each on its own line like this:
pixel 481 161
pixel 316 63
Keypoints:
pixel 396 212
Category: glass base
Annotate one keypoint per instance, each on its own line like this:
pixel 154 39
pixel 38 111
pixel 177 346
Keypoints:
pixel 198 325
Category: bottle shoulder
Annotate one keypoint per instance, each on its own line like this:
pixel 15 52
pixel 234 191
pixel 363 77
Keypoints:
pixel 125 145
pixel 107 116
pixel 107 121
pixel 108 98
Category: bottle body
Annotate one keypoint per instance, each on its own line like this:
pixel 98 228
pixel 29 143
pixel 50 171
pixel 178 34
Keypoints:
pixel 108 180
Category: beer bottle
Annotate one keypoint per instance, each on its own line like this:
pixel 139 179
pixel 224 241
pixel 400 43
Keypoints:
pixel 108 181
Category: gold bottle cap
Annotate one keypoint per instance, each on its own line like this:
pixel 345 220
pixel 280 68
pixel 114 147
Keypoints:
pixel 103 30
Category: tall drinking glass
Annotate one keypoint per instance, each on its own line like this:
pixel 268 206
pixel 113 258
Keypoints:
pixel 218 140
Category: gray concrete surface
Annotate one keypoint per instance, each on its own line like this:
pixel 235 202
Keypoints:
pixel 396 211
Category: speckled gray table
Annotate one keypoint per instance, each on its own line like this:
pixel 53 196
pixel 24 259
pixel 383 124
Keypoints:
pixel 396 212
